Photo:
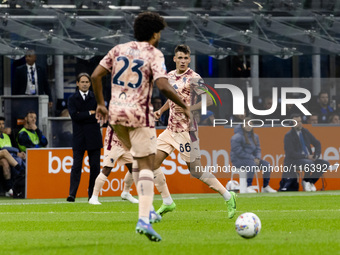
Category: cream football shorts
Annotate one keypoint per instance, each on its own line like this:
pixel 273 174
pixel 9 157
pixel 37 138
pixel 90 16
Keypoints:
pixel 117 154
pixel 141 141
pixel 168 141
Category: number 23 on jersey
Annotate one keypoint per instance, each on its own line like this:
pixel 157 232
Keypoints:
pixel 136 65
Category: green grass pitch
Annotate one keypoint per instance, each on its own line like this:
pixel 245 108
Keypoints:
pixel 292 223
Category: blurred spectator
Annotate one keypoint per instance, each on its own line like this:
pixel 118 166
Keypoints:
pixel 266 105
pixel 334 119
pixel 238 118
pixel 10 156
pixel 157 104
pixel 291 109
pixel 324 109
pixel 299 154
pixel 8 131
pixel 312 119
pixel 246 154
pixel 31 79
pixel 207 119
pixel 30 136
pixel 240 64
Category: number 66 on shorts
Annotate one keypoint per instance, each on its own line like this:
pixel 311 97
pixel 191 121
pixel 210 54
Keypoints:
pixel 168 141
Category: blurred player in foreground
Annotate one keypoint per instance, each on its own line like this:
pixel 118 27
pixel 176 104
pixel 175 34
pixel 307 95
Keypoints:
pixel 114 152
pixel 134 66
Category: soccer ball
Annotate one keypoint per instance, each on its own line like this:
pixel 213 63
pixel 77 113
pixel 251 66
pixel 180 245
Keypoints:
pixel 248 225
pixel 233 185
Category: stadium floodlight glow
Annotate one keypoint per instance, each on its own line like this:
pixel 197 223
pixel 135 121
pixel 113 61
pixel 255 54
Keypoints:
pixel 222 53
pixel 246 35
pixel 17 53
pixel 311 33
pixel 288 53
pixel 87 53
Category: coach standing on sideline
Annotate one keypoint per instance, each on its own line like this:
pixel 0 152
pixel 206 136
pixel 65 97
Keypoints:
pixel 86 134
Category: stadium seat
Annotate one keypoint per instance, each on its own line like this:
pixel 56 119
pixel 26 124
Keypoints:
pixel 243 180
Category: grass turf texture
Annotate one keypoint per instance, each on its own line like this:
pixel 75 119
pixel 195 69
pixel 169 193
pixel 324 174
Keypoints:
pixel 292 223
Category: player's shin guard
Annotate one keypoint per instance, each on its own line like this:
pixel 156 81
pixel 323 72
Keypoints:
pixel 213 183
pixel 100 180
pixel 128 181
pixel 145 193
pixel 161 185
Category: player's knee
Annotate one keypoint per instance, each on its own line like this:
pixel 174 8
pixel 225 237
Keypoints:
pixel 195 174
pixel 4 153
pixel 106 170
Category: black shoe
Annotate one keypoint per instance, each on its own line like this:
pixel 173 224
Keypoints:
pixel 70 199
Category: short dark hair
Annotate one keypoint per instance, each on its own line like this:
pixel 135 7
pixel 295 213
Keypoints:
pixel 322 92
pixel 30 52
pixel 81 75
pixel 29 112
pixel 183 48
pixel 330 119
pixel 2 118
pixel 146 24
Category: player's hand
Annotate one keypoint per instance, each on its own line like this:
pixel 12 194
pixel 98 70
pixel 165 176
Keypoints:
pixel 33 126
pixel 187 112
pixel 157 114
pixel 101 114
pixel 311 157
pixel 21 155
pixel 178 109
pixel 7 131
pixel 257 161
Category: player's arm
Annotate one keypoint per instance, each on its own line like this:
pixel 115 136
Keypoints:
pixel 167 90
pixel 96 78
pixel 198 106
pixel 165 107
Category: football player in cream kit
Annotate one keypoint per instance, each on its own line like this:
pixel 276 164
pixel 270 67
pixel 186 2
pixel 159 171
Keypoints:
pixel 114 153
pixel 135 66
pixel 181 134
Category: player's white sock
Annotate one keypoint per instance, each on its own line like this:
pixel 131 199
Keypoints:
pixel 145 193
pixel 213 183
pixel 100 180
pixel 145 219
pixel 161 186
pixel 226 195
pixel 167 200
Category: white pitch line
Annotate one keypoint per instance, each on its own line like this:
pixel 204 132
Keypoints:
pixel 83 212
pixel 178 197
pixel 218 211
pixel 85 202
pixel 285 211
